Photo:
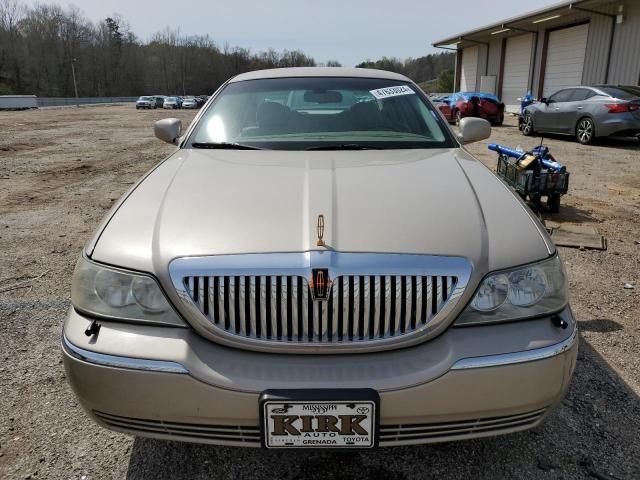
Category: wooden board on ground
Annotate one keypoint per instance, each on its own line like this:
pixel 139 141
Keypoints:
pixel 578 236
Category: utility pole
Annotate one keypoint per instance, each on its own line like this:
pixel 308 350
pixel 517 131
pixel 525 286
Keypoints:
pixel 75 86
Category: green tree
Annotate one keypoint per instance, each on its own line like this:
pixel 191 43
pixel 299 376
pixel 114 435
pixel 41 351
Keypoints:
pixel 445 81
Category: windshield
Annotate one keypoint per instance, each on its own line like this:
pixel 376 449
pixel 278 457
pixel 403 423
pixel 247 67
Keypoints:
pixel 144 98
pixel 170 99
pixel 321 112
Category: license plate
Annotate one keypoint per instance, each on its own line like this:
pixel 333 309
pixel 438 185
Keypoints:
pixel 319 419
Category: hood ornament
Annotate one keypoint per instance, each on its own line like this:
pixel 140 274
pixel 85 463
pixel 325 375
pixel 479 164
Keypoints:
pixel 320 231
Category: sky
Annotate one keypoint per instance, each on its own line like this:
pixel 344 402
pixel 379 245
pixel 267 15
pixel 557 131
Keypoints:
pixel 349 31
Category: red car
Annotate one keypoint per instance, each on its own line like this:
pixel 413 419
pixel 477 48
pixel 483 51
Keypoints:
pixel 472 104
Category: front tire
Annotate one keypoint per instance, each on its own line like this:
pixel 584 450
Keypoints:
pixel 585 131
pixel 527 125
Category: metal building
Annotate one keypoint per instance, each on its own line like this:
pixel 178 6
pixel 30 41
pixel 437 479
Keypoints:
pixel 571 43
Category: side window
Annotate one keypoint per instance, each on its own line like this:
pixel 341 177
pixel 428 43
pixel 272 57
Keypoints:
pixel 561 96
pixel 580 94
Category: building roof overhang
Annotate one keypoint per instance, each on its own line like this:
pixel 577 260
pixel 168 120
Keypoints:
pixel 521 24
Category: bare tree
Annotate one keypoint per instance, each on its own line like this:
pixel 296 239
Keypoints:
pixel 39 45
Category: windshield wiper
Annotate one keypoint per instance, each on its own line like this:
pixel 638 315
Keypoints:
pixel 344 146
pixel 224 146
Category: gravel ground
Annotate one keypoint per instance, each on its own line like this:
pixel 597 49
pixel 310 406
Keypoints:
pixel 60 170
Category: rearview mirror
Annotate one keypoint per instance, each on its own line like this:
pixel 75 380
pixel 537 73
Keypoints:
pixel 329 96
pixel 168 129
pixel 473 130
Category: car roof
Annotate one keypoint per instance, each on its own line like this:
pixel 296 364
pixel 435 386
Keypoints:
pixel 614 85
pixel 319 72
pixel 591 87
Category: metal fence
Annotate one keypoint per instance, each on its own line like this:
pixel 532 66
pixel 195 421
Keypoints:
pixel 62 101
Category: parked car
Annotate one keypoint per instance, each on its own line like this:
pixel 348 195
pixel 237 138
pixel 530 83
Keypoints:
pixel 460 105
pixel 439 98
pixel 145 102
pixel 159 100
pixel 319 264
pixel 190 102
pixel 586 113
pixel 172 102
pixel 442 103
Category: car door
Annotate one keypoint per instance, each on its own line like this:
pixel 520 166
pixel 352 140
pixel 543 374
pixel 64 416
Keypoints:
pixel 552 115
pixel 575 108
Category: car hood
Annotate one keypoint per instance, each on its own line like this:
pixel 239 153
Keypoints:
pixel 212 202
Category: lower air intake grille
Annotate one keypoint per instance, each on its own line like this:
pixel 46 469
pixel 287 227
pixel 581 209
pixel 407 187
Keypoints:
pixel 436 432
pixel 389 435
pixel 229 434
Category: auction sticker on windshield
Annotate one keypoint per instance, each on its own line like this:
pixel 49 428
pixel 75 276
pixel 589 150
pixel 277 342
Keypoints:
pixel 386 92
pixel 319 424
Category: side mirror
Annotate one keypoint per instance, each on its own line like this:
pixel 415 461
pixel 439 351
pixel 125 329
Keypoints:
pixel 168 129
pixel 473 130
pixel 544 100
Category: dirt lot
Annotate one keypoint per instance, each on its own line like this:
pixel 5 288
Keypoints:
pixel 60 170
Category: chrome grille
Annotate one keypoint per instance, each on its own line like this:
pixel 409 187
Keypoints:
pixel 280 308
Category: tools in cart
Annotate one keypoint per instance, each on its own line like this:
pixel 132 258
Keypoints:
pixel 533 174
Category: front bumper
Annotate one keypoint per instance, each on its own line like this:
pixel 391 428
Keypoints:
pixel 170 383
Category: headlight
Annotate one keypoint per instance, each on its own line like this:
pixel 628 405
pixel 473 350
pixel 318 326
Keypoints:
pixel 524 292
pixel 120 295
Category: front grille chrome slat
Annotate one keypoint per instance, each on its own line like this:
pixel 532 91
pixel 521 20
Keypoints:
pixel 280 308
pixel 241 311
pixel 295 292
pixel 263 307
pixel 366 302
pixel 377 293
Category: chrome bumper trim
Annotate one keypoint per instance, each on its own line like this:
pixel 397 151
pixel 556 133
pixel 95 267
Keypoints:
pixel 121 362
pixel 517 357
pixel 463 364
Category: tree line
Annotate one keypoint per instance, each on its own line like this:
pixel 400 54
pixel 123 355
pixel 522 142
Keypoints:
pixel 434 72
pixel 39 45
pixel 43 46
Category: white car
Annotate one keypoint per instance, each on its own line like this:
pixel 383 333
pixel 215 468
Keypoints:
pixel 190 102
pixel 172 103
pixel 146 102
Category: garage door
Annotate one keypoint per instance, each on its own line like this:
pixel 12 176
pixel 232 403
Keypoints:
pixel 517 69
pixel 469 69
pixel 565 58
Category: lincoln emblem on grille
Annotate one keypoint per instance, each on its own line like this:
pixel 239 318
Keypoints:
pixel 320 228
pixel 320 284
